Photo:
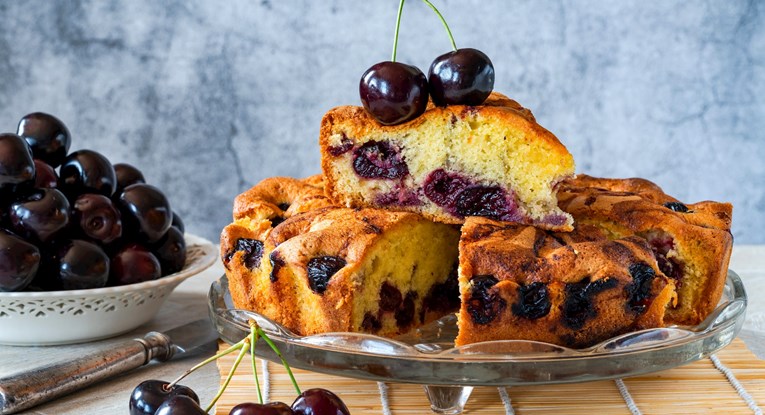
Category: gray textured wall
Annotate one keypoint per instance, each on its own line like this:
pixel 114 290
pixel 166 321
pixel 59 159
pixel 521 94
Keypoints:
pixel 208 97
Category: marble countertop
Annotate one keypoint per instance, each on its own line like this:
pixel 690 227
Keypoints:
pixel 189 302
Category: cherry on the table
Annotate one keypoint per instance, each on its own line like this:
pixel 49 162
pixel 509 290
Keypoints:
pixel 319 401
pixel 271 408
pixel 180 405
pixel 149 395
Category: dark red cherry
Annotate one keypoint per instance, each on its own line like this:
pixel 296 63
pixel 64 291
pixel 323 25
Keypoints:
pixel 39 214
pixel 87 171
pixel 178 223
pixel 271 408
pixel 45 175
pixel 47 136
pixel 394 92
pixel 461 77
pixel 149 395
pixel 379 160
pixel 19 262
pixel 16 164
pixel 319 401
pixel 321 269
pixel 171 251
pixel 80 265
pixel 127 175
pixel 484 304
pixel 180 405
pixel 97 217
pixel 145 209
pixel 133 264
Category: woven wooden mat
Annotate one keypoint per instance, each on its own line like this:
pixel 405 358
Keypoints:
pixel 697 388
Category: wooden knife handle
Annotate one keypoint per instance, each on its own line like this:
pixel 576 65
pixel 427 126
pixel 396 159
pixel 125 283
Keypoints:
pixel 25 390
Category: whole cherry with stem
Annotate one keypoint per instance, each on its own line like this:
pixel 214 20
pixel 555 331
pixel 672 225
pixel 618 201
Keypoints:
pixel 394 92
pixel 461 76
pixel 180 400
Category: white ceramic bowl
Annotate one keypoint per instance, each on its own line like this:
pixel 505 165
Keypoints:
pixel 62 317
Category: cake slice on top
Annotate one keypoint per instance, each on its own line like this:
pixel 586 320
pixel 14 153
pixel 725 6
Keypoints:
pixel 452 162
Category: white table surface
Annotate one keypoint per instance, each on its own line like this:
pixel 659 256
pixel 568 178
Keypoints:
pixel 189 302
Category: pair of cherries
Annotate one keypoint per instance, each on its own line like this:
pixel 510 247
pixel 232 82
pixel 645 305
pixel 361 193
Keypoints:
pixel 394 92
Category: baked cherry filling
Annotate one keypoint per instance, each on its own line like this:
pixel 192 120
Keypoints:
pixel 399 196
pixel 676 206
pixel 485 304
pixel 345 146
pixel 379 160
pixel 639 291
pixel 371 323
pixel 670 266
pixel 405 314
pixel 253 252
pixel 577 307
pixel 321 269
pixel 461 197
pixel 277 262
pixel 533 301
pixel 443 297
pixel 390 297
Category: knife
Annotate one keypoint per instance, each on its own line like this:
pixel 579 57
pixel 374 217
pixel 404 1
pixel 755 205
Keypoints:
pixel 25 390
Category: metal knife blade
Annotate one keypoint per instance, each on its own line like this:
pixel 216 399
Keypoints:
pixel 192 335
pixel 25 390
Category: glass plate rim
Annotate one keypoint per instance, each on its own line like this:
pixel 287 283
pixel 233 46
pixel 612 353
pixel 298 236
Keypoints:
pixel 735 305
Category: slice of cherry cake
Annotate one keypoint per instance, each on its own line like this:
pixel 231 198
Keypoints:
pixel 573 289
pixel 692 242
pixel 292 257
pixel 452 162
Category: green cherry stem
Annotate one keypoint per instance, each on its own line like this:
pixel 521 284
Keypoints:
pixel 273 347
pixel 245 347
pixel 253 342
pixel 395 35
pixel 236 346
pixel 443 21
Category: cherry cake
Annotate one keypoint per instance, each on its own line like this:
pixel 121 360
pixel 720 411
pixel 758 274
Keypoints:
pixel 491 160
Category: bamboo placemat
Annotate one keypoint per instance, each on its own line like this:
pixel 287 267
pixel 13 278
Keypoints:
pixel 697 388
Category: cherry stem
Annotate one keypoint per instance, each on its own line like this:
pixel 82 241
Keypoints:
pixel 271 344
pixel 395 35
pixel 236 346
pixel 253 342
pixel 443 21
pixel 245 347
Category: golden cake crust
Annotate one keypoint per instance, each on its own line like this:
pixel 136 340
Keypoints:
pixel 243 246
pixel 693 244
pixel 572 289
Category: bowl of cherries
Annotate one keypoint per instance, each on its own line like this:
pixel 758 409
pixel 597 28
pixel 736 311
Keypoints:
pixel 88 249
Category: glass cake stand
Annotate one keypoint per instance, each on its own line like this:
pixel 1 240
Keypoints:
pixel 427 356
